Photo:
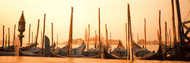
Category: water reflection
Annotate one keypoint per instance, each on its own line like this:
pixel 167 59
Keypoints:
pixel 27 59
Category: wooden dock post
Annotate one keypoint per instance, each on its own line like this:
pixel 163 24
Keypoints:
pixel 36 40
pixel 6 40
pixel 180 29
pixel 106 37
pixel 137 37
pixel 180 32
pixel 110 43
pixel 8 37
pixel 126 41
pixel 95 39
pixel 128 54
pixel 41 39
pixel 160 42
pixel 57 40
pixel 29 34
pixel 3 35
pixel 174 31
pixel 145 33
pixel 32 37
pixel 160 36
pixel 99 34
pixel 170 37
pixel 88 40
pixel 43 34
pixel 130 28
pixel 52 33
pixel 166 34
pixel 70 33
pixel 14 33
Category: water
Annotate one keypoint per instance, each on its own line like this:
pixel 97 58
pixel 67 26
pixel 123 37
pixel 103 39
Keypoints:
pixel 26 59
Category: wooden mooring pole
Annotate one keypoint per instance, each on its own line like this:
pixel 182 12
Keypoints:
pixel 126 41
pixel 6 40
pixel 145 33
pixel 128 54
pixel 106 37
pixel 180 32
pixel 36 40
pixel 100 51
pixel 166 34
pixel 14 33
pixel 3 35
pixel 29 34
pixel 174 31
pixel 160 36
pixel 52 34
pixel 110 43
pixel 88 40
pixel 32 38
pixel 43 34
pixel 41 39
pixel 8 37
pixel 170 37
pixel 95 39
pixel 57 40
pixel 137 37
pixel 131 37
pixel 70 33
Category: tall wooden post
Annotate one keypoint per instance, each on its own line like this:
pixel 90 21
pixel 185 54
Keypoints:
pixel 99 34
pixel 6 40
pixel 170 37
pixel 3 35
pixel 29 34
pixel 57 40
pixel 36 40
pixel 52 34
pixel 128 54
pixel 43 34
pixel 32 37
pixel 145 33
pixel 95 39
pixel 160 37
pixel 106 36
pixel 174 31
pixel 41 39
pixel 126 41
pixel 70 33
pixel 110 43
pixel 160 42
pixel 130 28
pixel 180 31
pixel 14 33
pixel 137 37
pixel 88 39
pixel 166 33
pixel 8 37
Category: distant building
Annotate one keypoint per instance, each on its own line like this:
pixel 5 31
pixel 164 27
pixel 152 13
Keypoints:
pixel 140 42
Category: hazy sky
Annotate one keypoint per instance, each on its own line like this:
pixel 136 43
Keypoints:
pixel 113 13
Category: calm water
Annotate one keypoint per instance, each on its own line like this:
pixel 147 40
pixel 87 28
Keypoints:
pixel 25 59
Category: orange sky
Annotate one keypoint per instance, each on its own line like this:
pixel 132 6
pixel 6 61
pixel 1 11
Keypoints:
pixel 113 13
